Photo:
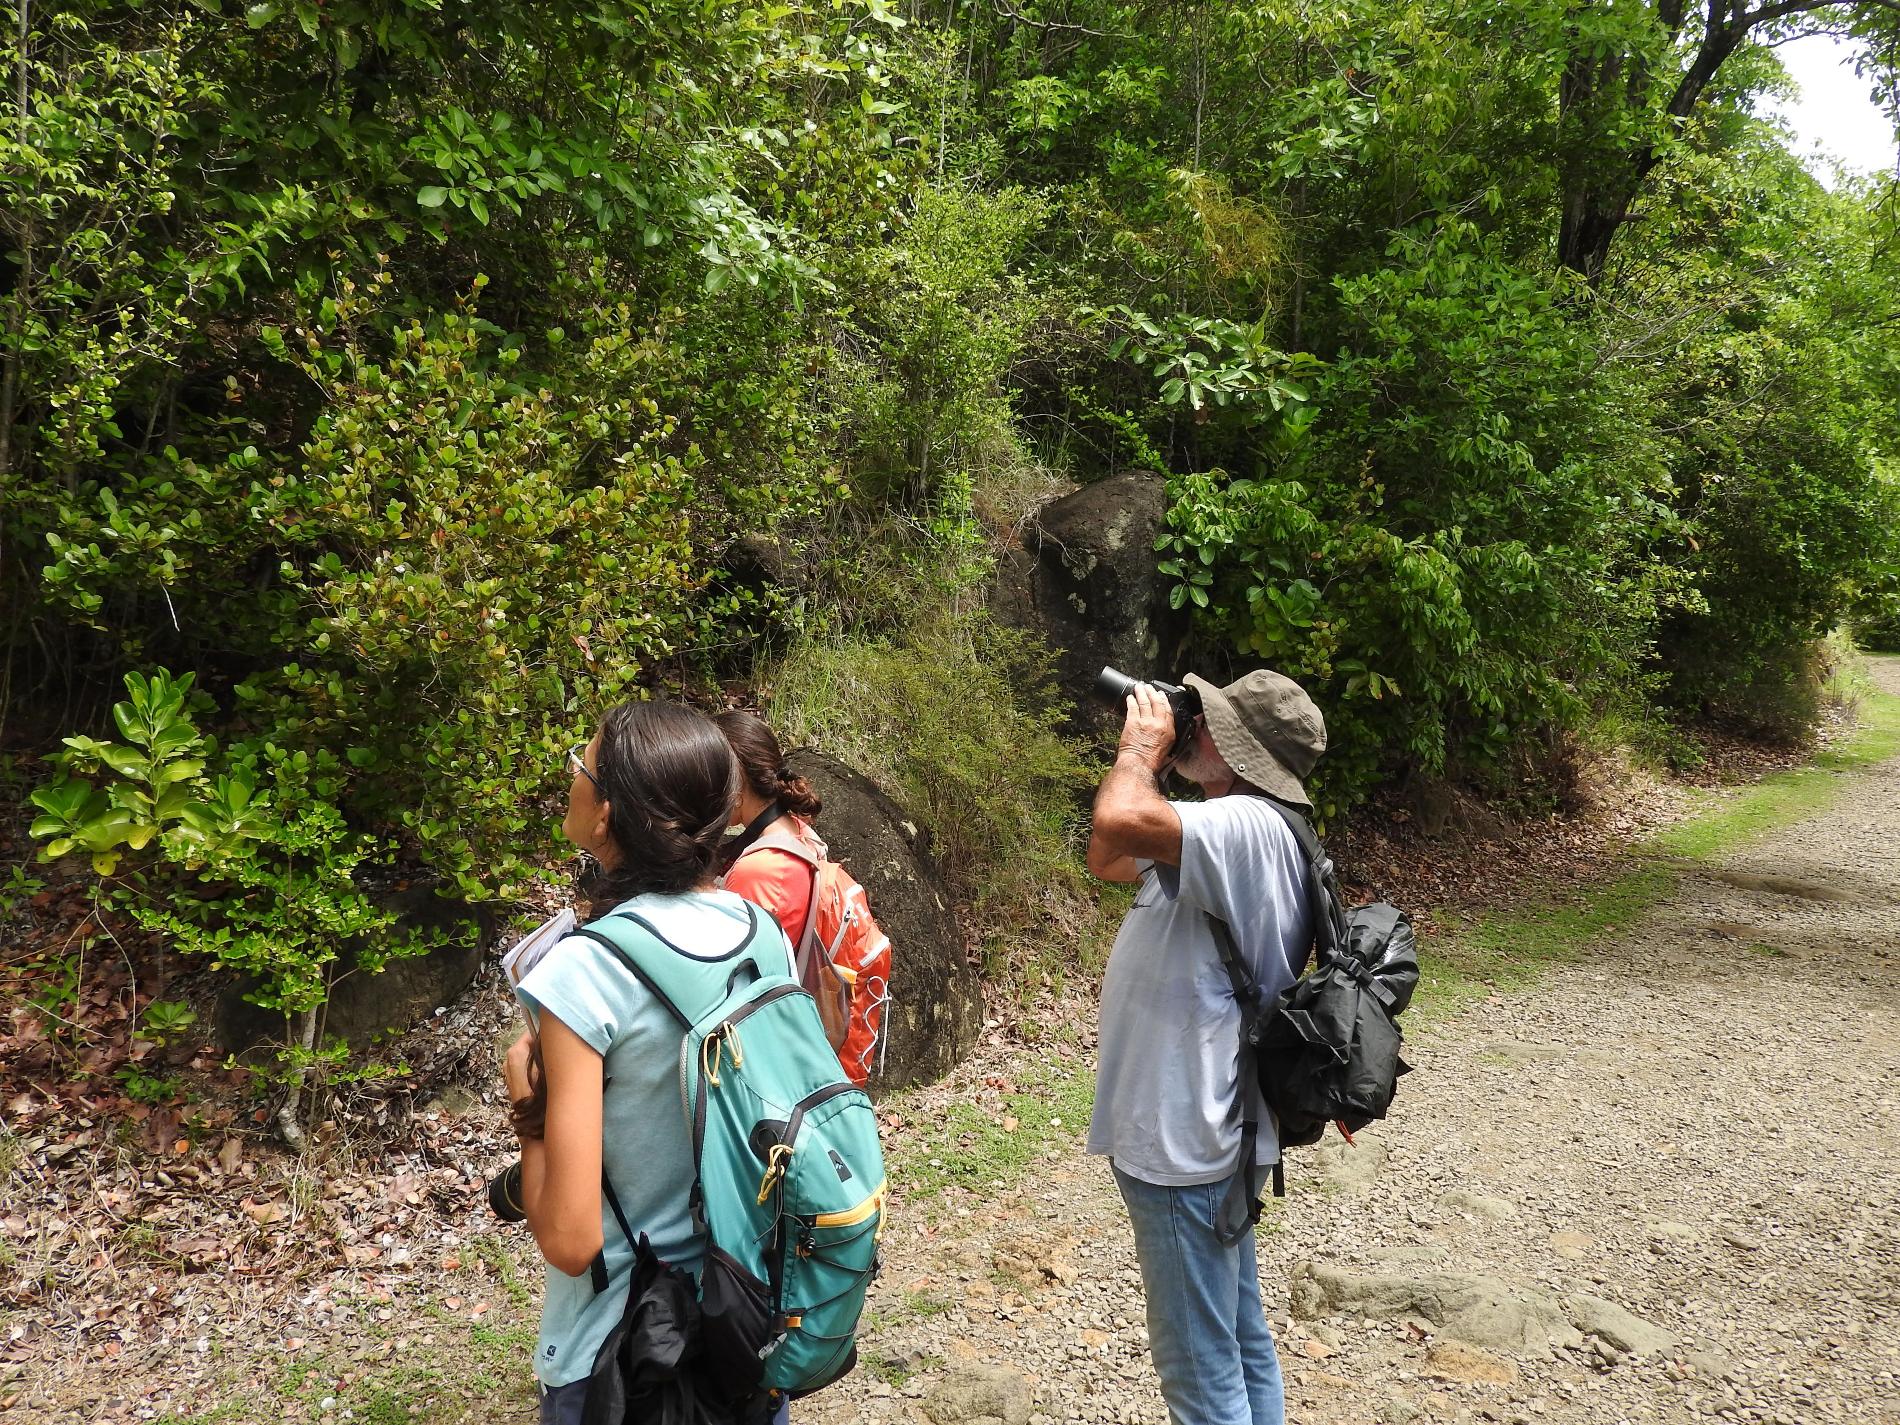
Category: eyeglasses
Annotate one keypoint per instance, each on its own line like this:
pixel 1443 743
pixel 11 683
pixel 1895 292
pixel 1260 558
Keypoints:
pixel 577 766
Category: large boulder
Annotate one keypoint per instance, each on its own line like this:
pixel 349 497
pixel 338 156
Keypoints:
pixel 1085 580
pixel 364 1006
pixel 936 1008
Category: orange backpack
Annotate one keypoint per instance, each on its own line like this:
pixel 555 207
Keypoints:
pixel 844 960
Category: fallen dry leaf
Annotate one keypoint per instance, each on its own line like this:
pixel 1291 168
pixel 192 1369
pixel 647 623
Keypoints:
pixel 264 1213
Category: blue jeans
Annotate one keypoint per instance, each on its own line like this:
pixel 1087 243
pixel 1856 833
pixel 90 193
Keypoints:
pixel 1206 1328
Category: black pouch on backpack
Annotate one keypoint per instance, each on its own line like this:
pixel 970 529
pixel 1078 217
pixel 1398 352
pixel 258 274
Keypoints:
pixel 679 1355
pixel 644 1370
pixel 1327 1050
pixel 736 1322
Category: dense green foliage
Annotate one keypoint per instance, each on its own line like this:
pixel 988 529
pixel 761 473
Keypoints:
pixel 423 377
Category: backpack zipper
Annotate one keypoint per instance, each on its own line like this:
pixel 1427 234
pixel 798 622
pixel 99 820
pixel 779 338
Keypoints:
pixel 813 1100
pixel 777 992
pixel 851 1216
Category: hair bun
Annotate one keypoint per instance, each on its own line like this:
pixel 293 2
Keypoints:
pixel 797 796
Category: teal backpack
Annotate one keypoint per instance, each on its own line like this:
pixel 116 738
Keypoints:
pixel 790 1188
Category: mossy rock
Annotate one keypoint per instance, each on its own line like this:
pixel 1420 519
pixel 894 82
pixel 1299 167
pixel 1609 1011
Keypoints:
pixel 364 1007
pixel 936 1009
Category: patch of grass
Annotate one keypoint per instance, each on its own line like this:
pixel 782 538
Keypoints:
pixel 953 716
pixel 971 1146
pixel 493 1253
pixel 1762 947
pixel 890 1372
pixel 12 1158
pixel 895 1372
pixel 1505 949
pixel 928 1303
pixel 1789 796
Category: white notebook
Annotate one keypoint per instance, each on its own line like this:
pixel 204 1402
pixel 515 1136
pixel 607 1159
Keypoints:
pixel 528 950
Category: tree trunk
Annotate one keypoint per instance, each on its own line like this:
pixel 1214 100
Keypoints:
pixel 23 284
pixel 1601 185
pixel 288 1123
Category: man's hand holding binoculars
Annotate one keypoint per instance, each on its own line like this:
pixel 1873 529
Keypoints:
pixel 1148 734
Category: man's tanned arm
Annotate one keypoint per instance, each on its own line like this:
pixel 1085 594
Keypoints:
pixel 1132 820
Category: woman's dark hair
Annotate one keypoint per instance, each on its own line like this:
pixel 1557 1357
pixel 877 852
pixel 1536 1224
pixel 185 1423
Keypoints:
pixel 529 1115
pixel 669 780
pixel 757 749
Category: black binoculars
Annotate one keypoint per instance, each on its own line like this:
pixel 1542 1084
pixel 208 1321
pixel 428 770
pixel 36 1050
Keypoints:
pixel 1112 688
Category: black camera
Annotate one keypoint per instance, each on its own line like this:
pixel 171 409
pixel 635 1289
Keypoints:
pixel 1112 687
pixel 504 1194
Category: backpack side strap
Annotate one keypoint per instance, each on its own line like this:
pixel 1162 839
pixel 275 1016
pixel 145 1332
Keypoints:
pixel 1240 1209
pixel 597 1269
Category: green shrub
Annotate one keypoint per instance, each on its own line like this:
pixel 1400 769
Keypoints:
pixel 1443 545
pixel 237 854
pixel 951 715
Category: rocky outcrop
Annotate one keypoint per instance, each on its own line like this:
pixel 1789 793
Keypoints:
pixel 1085 581
pixel 936 1009
pixel 1478 1310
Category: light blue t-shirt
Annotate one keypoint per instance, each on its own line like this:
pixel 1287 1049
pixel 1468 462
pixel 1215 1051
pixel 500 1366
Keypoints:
pixel 1167 1106
pixel 647 1149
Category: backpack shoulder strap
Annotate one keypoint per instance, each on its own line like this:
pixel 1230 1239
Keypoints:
pixel 784 835
pixel 687 984
pixel 1325 898
pixel 808 937
pixel 754 829
pixel 1240 1208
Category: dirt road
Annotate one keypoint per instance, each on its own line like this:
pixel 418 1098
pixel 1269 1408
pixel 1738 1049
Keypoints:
pixel 1697 1122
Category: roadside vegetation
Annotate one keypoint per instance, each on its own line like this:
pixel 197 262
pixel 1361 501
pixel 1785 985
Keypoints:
pixel 386 387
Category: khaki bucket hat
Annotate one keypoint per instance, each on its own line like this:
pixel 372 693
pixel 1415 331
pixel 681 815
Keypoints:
pixel 1265 728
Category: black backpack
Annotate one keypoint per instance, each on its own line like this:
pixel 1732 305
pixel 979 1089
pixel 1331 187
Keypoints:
pixel 1328 1048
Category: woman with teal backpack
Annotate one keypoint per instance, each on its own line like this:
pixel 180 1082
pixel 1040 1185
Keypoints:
pixel 607 1160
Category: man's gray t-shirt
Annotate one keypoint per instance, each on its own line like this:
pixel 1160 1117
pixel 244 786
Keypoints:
pixel 1166 1106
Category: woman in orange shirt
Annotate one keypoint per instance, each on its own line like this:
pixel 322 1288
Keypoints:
pixel 771 796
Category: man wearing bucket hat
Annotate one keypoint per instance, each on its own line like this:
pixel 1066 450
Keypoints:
pixel 1168 1102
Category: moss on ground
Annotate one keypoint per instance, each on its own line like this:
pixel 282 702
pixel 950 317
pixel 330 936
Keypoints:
pixel 1786 797
pixel 1502 949
pixel 989 1148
